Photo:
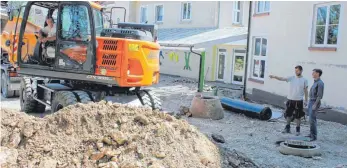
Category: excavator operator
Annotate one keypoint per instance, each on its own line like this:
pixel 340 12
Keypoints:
pixel 45 48
pixel 48 33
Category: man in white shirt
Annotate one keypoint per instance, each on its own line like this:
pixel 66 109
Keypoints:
pixel 49 30
pixel 297 91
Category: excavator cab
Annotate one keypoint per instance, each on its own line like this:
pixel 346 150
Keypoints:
pixel 80 60
pixel 71 44
pixel 127 55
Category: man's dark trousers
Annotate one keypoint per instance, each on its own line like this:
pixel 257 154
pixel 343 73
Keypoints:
pixel 313 118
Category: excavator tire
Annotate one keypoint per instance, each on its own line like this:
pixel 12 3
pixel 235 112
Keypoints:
pixel 6 93
pixel 27 102
pixel 149 99
pixel 63 99
pixel 40 108
pixel 82 96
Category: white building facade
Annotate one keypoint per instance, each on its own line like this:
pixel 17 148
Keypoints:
pixel 217 28
pixel 311 34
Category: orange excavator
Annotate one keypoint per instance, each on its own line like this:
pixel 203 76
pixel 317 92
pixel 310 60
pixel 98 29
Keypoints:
pixel 85 61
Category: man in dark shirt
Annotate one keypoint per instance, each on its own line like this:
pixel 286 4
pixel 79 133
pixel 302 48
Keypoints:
pixel 316 95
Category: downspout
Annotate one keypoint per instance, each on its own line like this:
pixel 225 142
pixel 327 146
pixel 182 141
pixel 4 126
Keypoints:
pixel 218 15
pixel 201 69
pixel 247 52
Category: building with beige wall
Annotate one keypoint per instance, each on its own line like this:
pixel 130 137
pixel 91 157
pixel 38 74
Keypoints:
pixel 169 14
pixel 217 28
pixel 311 34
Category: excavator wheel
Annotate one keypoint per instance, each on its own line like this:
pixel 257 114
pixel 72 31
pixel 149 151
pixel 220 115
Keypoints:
pixel 149 99
pixel 63 99
pixel 40 108
pixel 6 93
pixel 82 96
pixel 27 102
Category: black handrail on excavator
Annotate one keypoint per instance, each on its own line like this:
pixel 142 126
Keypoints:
pixel 110 12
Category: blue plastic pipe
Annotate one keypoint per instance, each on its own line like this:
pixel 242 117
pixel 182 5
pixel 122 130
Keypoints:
pixel 249 109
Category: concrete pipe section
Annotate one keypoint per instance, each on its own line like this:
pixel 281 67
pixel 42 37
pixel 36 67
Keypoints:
pixel 299 148
pixel 206 107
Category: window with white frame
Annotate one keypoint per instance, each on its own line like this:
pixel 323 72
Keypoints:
pixel 143 18
pixel 262 7
pixel 186 11
pixel 259 58
pixel 326 24
pixel 159 13
pixel 237 12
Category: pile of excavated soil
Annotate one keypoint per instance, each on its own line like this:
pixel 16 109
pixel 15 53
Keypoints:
pixel 103 135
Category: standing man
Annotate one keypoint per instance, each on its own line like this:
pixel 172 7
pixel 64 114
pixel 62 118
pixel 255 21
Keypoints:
pixel 297 91
pixel 316 95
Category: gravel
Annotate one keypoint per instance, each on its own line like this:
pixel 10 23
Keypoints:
pixel 254 138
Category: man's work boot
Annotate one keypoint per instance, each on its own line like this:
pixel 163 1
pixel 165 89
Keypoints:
pixel 297 131
pixel 286 129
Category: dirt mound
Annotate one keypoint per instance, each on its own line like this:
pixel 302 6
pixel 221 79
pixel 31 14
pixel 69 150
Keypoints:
pixel 103 135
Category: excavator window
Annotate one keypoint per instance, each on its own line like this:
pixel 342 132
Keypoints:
pixel 75 36
pixel 67 45
pixel 75 23
pixel 37 15
pixel 35 23
pixel 98 19
pixel 54 15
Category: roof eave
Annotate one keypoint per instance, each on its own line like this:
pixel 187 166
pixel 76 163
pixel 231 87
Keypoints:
pixel 204 44
pixel 229 39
